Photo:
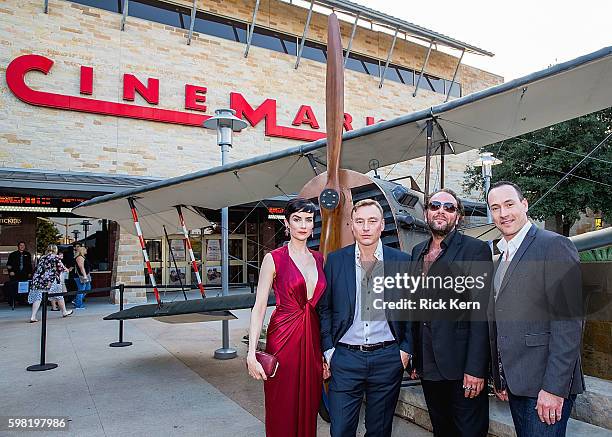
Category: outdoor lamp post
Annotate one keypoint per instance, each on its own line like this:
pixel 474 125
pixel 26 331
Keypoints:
pixel 76 233
pixel 225 122
pixel 487 161
pixel 86 224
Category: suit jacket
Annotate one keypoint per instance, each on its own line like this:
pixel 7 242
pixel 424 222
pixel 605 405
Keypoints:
pixel 12 265
pixel 536 322
pixel 461 344
pixel 337 305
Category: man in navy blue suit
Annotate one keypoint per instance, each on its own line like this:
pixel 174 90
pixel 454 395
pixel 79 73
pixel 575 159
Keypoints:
pixel 366 351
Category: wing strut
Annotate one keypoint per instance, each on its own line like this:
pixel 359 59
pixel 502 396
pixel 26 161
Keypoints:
pixel 176 269
pixel 194 264
pixel 143 246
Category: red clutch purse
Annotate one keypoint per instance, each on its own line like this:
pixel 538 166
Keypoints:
pixel 269 363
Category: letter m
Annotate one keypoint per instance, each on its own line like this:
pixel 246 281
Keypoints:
pixel 244 110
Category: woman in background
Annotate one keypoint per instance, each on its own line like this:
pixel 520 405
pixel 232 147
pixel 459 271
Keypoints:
pixel 83 279
pixel 47 278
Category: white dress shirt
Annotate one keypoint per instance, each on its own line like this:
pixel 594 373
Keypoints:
pixel 369 331
pixel 509 248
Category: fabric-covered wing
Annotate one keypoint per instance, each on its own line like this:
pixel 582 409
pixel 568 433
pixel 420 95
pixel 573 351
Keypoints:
pixel 151 221
pixel 559 93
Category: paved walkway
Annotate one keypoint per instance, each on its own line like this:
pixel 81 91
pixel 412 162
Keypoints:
pixel 167 383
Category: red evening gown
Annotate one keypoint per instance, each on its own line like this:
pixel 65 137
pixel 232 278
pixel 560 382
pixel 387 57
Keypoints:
pixel 294 393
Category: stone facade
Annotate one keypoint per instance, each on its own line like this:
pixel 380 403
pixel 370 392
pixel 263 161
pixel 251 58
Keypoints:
pixel 73 35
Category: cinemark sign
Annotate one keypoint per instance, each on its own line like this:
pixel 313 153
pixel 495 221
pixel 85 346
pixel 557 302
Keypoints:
pixel 195 98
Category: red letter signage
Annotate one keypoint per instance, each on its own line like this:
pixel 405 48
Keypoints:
pixel 305 116
pixel 195 97
pixel 86 80
pixel 131 86
pixel 267 110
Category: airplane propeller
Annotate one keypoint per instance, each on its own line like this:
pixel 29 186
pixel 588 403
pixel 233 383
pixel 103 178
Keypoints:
pixel 333 187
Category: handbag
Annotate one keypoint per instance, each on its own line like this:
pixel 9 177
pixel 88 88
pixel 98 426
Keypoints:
pixel 268 361
pixel 56 288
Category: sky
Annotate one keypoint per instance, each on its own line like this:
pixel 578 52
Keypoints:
pixel 525 35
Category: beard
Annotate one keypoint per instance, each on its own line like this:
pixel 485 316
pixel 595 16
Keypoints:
pixel 440 230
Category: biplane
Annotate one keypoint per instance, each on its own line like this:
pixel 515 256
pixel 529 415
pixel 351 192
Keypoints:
pixel 332 170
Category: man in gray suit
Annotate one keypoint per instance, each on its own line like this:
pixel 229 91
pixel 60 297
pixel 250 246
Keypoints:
pixel 535 315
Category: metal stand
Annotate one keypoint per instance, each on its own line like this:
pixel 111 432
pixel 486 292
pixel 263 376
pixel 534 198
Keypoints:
pixel 43 340
pixel 225 352
pixel 121 343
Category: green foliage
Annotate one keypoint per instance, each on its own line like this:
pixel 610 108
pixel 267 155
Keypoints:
pixel 46 233
pixel 537 160
pixel 602 254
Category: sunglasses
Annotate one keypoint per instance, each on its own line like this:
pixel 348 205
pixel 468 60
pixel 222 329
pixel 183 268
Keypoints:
pixel 435 205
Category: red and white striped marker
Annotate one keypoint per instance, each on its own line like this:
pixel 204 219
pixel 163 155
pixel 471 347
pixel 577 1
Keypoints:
pixel 143 246
pixel 194 264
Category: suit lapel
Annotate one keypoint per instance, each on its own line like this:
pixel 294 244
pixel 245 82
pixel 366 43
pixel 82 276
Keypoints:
pixel 517 257
pixel 351 278
pixel 451 253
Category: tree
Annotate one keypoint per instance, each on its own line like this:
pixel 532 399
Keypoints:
pixel 537 160
pixel 46 233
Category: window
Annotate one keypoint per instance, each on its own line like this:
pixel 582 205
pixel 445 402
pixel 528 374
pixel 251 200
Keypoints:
pixel 160 13
pixel 314 51
pixel 407 75
pixel 107 5
pixel 371 67
pixel 272 41
pixel 355 65
pixel 392 74
pixel 216 26
pixel 455 90
pixel 431 83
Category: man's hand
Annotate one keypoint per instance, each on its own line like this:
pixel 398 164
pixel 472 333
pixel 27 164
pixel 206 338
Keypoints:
pixel 405 358
pixel 502 395
pixel 472 386
pixel 549 407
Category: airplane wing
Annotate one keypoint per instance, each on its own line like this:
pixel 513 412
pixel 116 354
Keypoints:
pixel 550 96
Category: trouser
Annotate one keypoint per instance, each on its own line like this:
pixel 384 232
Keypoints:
pixel 377 375
pixel 527 422
pixel 452 414
pixel 81 286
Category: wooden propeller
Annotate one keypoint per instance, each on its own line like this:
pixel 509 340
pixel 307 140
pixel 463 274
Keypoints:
pixel 333 188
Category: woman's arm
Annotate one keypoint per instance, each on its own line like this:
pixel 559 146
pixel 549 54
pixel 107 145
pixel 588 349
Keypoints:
pixel 266 276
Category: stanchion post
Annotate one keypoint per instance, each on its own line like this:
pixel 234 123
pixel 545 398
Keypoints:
pixel 121 343
pixel 43 340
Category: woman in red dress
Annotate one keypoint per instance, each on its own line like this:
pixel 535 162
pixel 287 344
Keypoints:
pixel 296 274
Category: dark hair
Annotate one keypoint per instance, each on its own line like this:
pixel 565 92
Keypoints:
pixel 299 204
pixel 24 243
pixel 510 184
pixel 460 208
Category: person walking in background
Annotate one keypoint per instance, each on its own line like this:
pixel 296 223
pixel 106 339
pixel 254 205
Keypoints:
pixel 293 394
pixel 19 267
pixel 83 278
pixel 535 318
pixel 47 278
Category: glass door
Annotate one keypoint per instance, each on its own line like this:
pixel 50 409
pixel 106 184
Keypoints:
pixel 211 274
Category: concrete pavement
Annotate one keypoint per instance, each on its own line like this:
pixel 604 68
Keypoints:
pixel 166 384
